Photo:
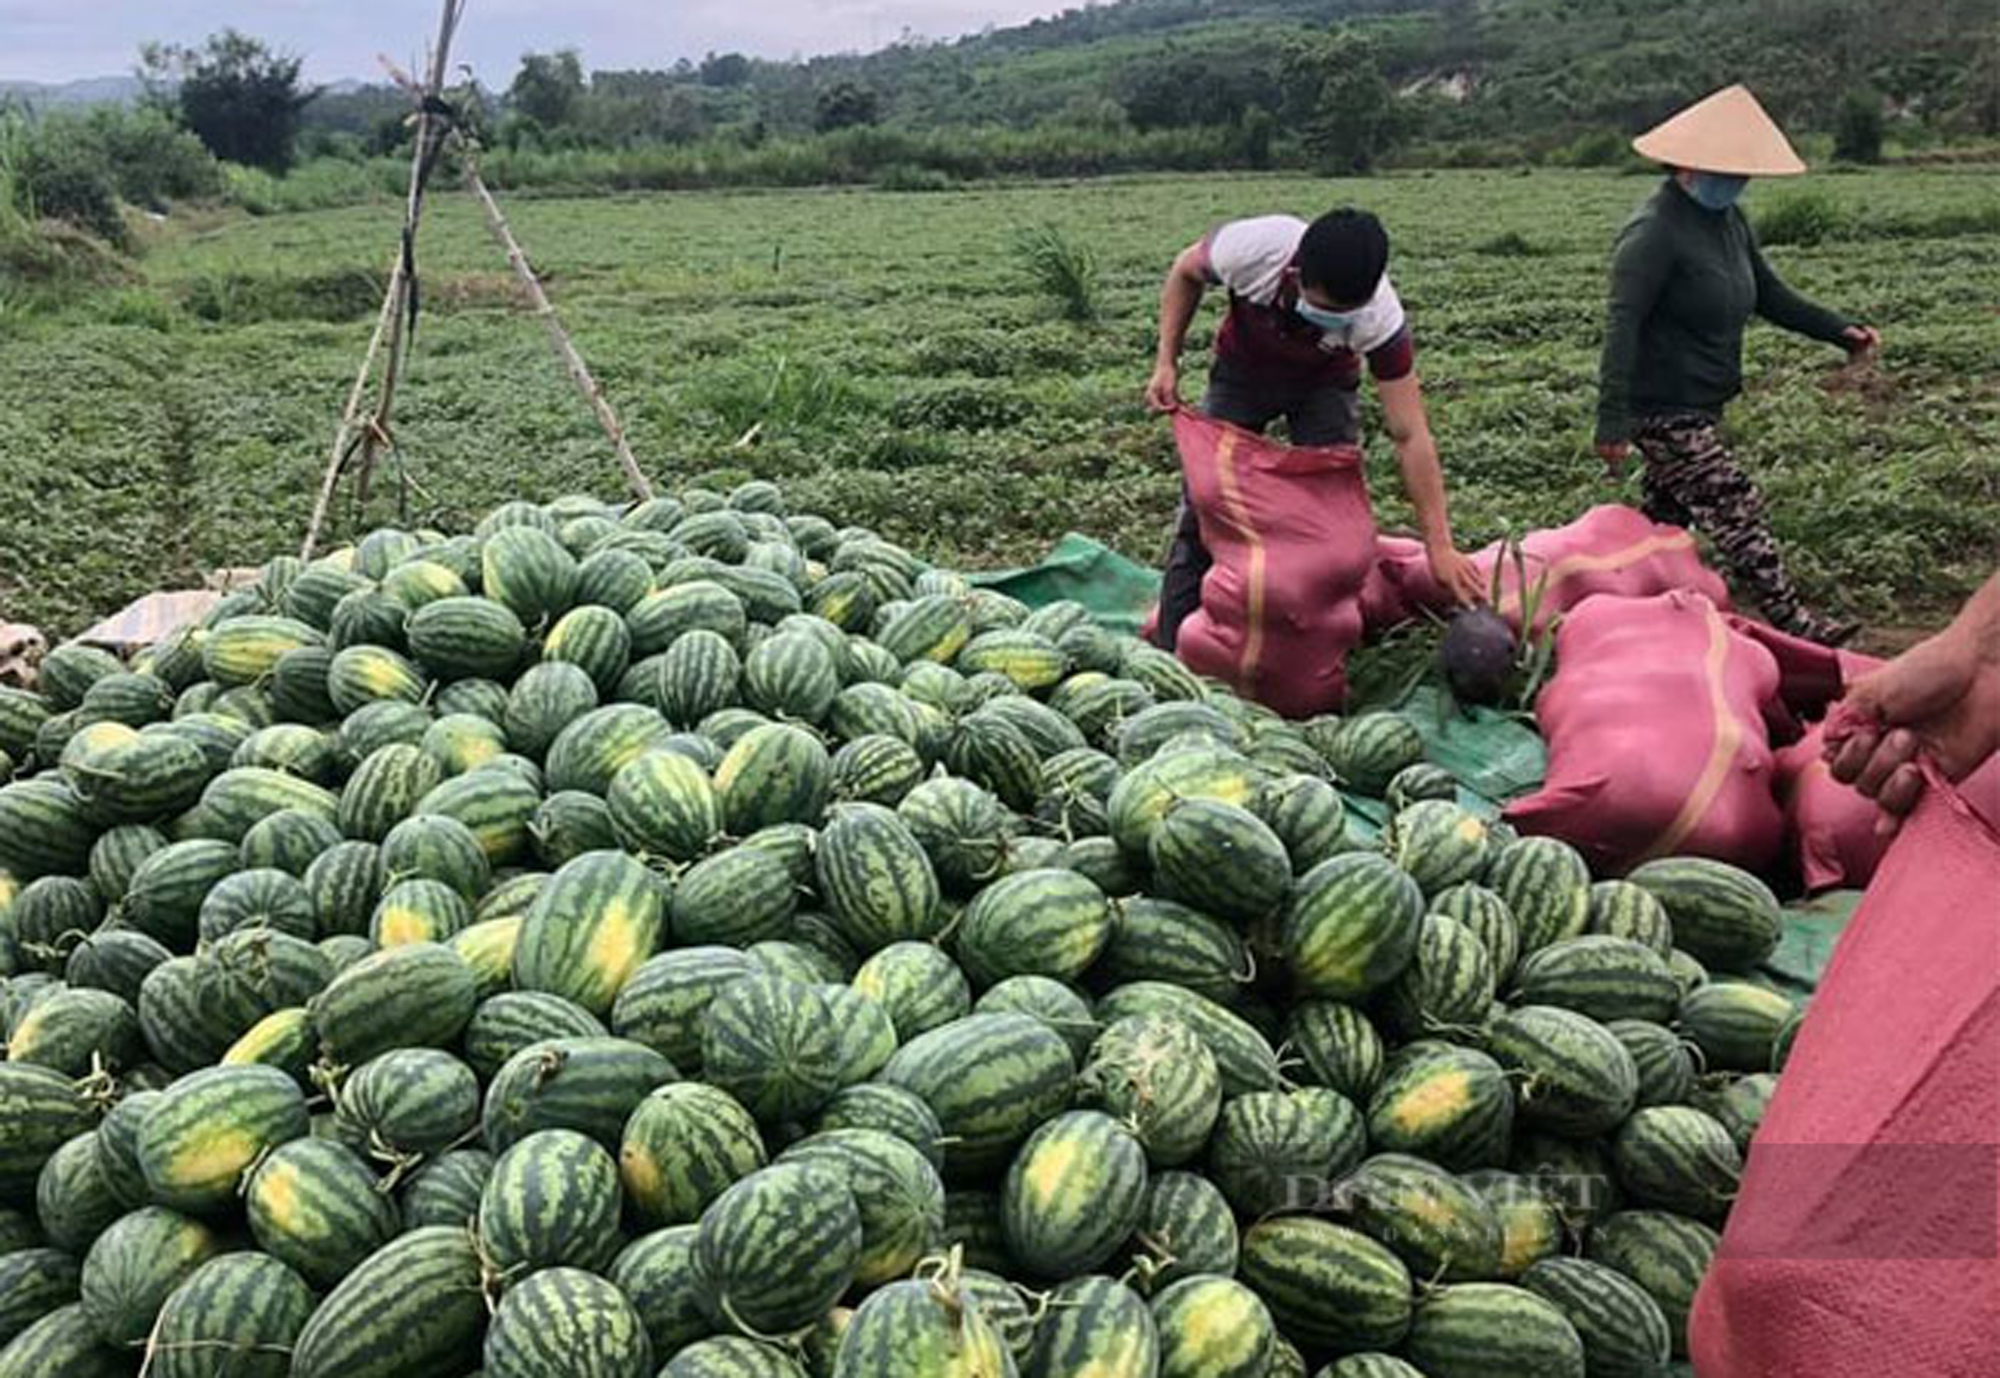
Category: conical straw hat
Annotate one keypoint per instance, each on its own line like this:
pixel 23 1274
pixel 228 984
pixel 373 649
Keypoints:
pixel 1727 133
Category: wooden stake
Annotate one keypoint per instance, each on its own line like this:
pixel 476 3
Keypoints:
pixel 559 340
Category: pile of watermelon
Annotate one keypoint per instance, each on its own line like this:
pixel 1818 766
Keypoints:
pixel 698 940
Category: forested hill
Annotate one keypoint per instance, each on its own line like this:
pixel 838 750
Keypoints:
pixel 1482 67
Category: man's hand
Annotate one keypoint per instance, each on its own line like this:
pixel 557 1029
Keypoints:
pixel 1861 339
pixel 1163 390
pixel 1616 454
pixel 1455 574
pixel 1940 699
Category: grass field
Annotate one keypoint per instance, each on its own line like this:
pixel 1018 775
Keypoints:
pixel 901 372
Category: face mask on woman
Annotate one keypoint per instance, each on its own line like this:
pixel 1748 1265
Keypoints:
pixel 1717 191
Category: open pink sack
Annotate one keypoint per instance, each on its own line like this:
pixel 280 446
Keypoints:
pixel 1866 1238
pixel 1609 549
pixel 1292 538
pixel 1658 739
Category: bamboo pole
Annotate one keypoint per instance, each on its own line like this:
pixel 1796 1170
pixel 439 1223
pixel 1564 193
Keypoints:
pixel 391 325
pixel 559 340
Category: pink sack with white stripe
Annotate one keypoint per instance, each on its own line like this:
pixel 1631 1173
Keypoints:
pixel 1292 538
pixel 1658 743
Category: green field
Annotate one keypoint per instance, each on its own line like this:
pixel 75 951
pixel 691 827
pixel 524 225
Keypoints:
pixel 906 376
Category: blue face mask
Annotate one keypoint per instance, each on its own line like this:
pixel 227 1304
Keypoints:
pixel 1716 191
pixel 1332 322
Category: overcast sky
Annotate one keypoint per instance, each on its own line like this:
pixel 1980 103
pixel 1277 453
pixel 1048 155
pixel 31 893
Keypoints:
pixel 59 40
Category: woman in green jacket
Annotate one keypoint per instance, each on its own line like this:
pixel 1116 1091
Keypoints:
pixel 1686 279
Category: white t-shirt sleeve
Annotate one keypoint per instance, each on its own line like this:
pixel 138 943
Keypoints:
pixel 1249 257
pixel 1375 324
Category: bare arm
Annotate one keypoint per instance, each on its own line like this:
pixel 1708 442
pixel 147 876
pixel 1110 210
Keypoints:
pixel 1409 427
pixel 1180 298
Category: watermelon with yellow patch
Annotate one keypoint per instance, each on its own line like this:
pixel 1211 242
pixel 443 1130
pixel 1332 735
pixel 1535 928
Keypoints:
pixel 589 929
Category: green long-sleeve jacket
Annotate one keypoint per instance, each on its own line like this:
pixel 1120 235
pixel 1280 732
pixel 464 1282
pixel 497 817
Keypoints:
pixel 1684 282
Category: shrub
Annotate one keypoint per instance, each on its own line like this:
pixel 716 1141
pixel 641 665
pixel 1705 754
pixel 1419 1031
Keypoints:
pixel 1801 217
pixel 1062 269
pixel 1857 128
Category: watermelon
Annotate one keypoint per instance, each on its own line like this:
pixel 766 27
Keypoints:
pixel 1735 1024
pixel 1436 1223
pixel 1665 1064
pixel 1308 816
pixel 135 1265
pixel 962 827
pixel 1095 1325
pixel 495 802
pixel 529 571
pixel 1073 1194
pixel 1622 1329
pixel 1214 1327
pixel 1546 887
pixel 237 650
pixel 74 1198
pixel 896 1190
pixel 683 1146
pixel 922 1329
pixel 774 1045
pixel 917 984
pixel 1277 1151
pixel 1354 924
pixel 596 640
pixel 1186 1228
pixel 553 1200
pixel 1601 976
pixel 1531 1220
pixel 700 674
pixel 663 805
pixel 1219 858
pixel 418 995
pixel 343 884
pixel 773 774
pixel 990 1079
pixel 875 878
pixel 1368 751
pixel 1491 1330
pixel 1449 1104
pixel 662 1005
pixel 776 1250
pixel 657 1273
pixel 34 1283
pixel 1340 1046
pixel 1725 917
pixel 66 1342
pixel 1446 990
pixel 585 1083
pixel 242 1312
pixel 732 1356
pixel 1330 1289
pixel 1242 1055
pixel 1059 1008
pixel 1487 917
pixel 1674 1157
pixel 1145 794
pixel 446 1190
pixel 407 1104
pixel 566 1320
pixel 413 1306
pixel 1154 1074
pixel 1666 1254
pixel 1620 909
pixel 211 1125
pixel 76 1031
pixel 316 1205
pixel 1576 1077
pixel 1033 923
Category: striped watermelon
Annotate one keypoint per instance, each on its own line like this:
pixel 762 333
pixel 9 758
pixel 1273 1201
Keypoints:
pixel 736 898
pixel 1601 976
pixel 1214 1327
pixel 683 1146
pixel 1033 923
pixel 922 1329
pixel 793 676
pixel 1620 909
pixel 1727 918
pixel 1664 1063
pixel 317 1205
pixel 406 1105
pixel 135 1265
pixel 990 1079
pixel 876 768
pixel 732 1356
pixel 553 1200
pixel 876 880
pixel 1341 1047
pixel 463 741
pixel 1666 1254
pixel 1146 793
pixel 773 774
pixel 1073 1194
pixel 774 1045
pixel 1278 1151
pixel 588 1084
pixel 1436 1223
pixel 1491 1330
pixel 1219 858
pixel 414 1306
pixel 1059 1008
pixel 589 929
pixel 1186 1228
pixel 1369 751
pixel 1449 1104
pixel 1308 816
pixel 495 802
pixel 657 1273
pixel 1154 1074
pixel 1577 1077
pixel 1735 1024
pixel 1574 1173
pixel 1438 843
pixel 446 1190
pixel 662 1005
pixel 74 1200
pixel 1354 924
pixel 776 1250
pixel 1095 1325
pixel 240 1313
pixel 1446 990
pixel 1242 1055
pixel 663 805
pixel 570 823
pixel 896 1190
pixel 1742 1107
pixel 660 619
pixel 289 841
pixel 1622 1329
pixel 467 638
pixel 596 640
pixel 588 754
pixel 1546 887
pixel 529 571
pixel 1531 1220
pixel 888 1109
pixel 385 789
pixel 1674 1157
pixel 546 699
pixel 1487 917
pixel 569 1321
pixel 65 1342
pixel 211 1125
pixel 418 995
pixel 1330 1289
pixel 242 650
pixel 962 827
pixel 918 985
pixel 343 883
pixel 76 1031
pixel 34 1283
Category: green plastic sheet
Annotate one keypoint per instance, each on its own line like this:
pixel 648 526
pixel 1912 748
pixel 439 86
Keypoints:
pixel 1118 591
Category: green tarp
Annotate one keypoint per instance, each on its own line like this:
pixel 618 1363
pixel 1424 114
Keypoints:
pixel 1117 591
